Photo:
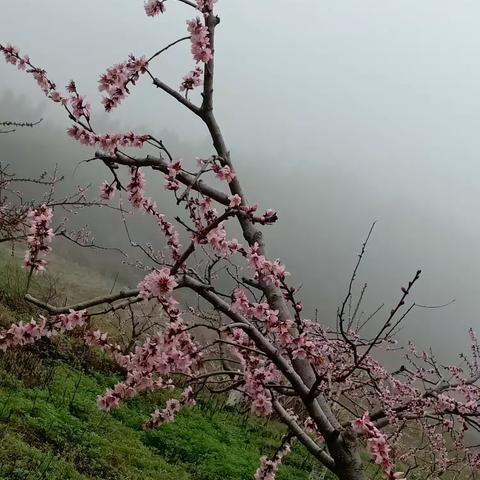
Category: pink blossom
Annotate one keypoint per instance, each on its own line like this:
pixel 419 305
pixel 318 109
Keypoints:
pixel 57 97
pixel 150 364
pixel 258 372
pixel 115 80
pixel 109 142
pixel 235 201
pixel 11 54
pixel 225 173
pixel 158 283
pixel 200 41
pixel 216 238
pixel 205 6
pixel 39 238
pixel 268 467
pixel 270 216
pixel 154 7
pixel 273 272
pixel 83 136
pixel 21 334
pixel 23 62
pixel 173 406
pixel 71 87
pixel 191 80
pixel 172 235
pixel 79 107
pixel 135 187
pixel 108 400
pixel 377 445
pixel 107 191
pixel 171 182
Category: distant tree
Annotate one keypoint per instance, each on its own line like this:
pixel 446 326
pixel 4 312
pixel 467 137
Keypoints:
pixel 412 420
pixel 28 217
pixel 9 126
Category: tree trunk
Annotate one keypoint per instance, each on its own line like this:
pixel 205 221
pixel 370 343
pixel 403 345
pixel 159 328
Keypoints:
pixel 345 451
pixel 351 472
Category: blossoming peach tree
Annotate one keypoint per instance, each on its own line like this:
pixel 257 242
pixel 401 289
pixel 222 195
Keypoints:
pixel 350 410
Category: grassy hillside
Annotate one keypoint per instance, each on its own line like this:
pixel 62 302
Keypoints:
pixel 50 427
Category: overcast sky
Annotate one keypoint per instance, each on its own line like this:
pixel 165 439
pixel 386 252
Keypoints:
pixel 337 113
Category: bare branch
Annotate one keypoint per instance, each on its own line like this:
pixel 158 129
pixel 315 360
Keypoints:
pixel 82 305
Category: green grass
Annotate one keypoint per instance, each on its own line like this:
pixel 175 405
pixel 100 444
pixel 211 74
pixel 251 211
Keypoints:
pixel 54 431
pixel 51 429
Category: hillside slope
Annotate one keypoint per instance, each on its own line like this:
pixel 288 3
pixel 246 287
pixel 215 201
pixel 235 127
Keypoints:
pixel 51 429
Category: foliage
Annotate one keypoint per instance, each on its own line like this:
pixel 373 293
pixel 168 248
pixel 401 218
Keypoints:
pixel 54 431
pixel 12 290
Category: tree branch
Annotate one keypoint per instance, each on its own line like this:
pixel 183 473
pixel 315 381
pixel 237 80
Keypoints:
pixel 176 95
pixel 159 164
pixel 307 442
pixel 82 305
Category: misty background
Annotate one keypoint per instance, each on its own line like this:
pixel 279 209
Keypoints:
pixel 337 114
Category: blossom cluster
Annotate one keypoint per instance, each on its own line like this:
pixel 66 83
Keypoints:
pixel 217 239
pixel 136 193
pixel 135 187
pixel 100 339
pixel 209 229
pixel 272 272
pixel 12 56
pixel 257 370
pixel 39 238
pixel 268 467
pixel 199 37
pixel 108 142
pixel 191 80
pixel 172 407
pixel 79 107
pixel 115 80
pixel 21 334
pixel 225 173
pixel 377 445
pixel 107 191
pixel 149 365
pixel 301 345
pixel 171 234
pixel 205 6
pixel 135 383
pixel 270 216
pixel 157 284
pixel 248 211
pixel 171 182
pixel 154 7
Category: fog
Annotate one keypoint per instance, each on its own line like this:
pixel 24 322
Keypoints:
pixel 337 114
